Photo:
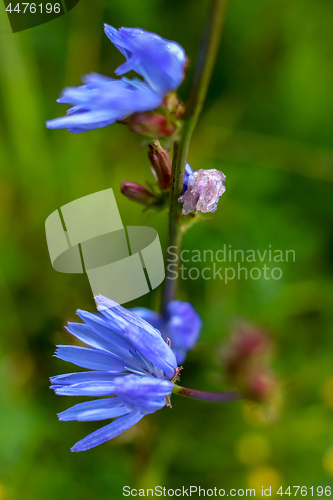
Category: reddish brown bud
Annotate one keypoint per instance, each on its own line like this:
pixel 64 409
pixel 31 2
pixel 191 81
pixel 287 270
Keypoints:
pixel 152 125
pixel 247 344
pixel 138 193
pixel 247 358
pixel 160 164
pixel 260 386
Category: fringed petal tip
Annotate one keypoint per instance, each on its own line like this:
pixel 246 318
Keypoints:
pixel 104 303
pixel 52 124
pixel 111 29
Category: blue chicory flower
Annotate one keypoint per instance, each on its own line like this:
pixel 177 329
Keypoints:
pixel 159 61
pixel 103 101
pixel 181 324
pixel 130 362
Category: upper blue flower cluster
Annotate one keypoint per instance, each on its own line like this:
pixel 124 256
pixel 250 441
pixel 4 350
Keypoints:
pixel 130 361
pixel 159 61
pixel 102 101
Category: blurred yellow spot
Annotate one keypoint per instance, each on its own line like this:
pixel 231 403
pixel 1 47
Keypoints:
pixel 328 461
pixel 263 414
pixel 264 478
pixel 20 368
pixel 327 392
pixel 252 449
pixel 252 413
pixel 1 491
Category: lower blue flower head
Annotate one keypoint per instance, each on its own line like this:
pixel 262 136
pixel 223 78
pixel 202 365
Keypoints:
pixel 132 368
pixel 103 101
pixel 181 324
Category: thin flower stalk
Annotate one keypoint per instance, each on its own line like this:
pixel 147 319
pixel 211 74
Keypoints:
pixel 204 67
pixel 211 396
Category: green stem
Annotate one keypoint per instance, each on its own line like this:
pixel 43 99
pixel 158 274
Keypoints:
pixel 203 71
pixel 213 397
pixel 174 238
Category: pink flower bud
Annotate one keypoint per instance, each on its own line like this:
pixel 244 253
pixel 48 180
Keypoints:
pixel 138 193
pixel 152 125
pixel 247 344
pixel 247 359
pixel 160 164
pixel 205 187
pixel 260 386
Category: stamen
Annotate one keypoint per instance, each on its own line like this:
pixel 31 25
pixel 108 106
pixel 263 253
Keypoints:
pixel 176 374
pixel 168 402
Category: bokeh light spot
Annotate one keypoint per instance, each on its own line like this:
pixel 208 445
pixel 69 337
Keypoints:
pixel 327 392
pixel 252 449
pixel 265 477
pixel 328 461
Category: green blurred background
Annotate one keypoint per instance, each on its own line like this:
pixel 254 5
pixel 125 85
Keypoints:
pixel 267 124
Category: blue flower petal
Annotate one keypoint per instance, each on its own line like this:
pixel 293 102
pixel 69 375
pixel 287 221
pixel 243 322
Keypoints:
pixel 78 95
pixel 101 337
pixel 99 409
pixel 91 118
pixel 99 324
pixel 152 317
pixel 92 359
pixel 154 349
pixel 91 388
pixel 120 318
pixel 103 101
pixel 96 404
pixel 159 61
pixel 89 336
pixel 184 324
pixel 181 324
pixel 117 39
pixel 79 377
pixel 90 416
pixel 108 432
pixel 188 171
